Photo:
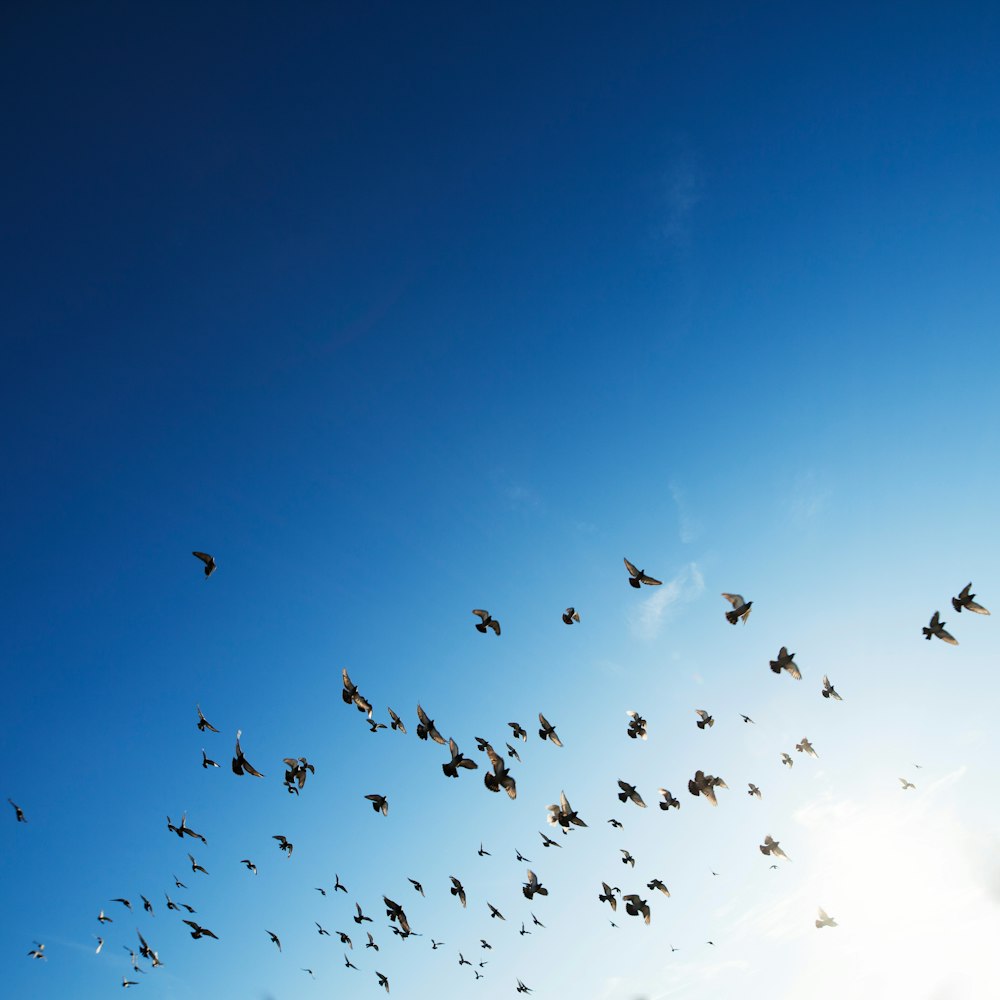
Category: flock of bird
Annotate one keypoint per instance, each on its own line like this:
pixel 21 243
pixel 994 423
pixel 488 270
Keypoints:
pixel 560 816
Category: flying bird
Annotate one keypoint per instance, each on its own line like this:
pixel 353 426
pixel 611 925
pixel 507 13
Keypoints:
pixel 351 695
pixel 416 885
pixel 147 905
pixel 824 919
pixel 195 867
pixel 184 830
pixel 371 942
pixel 338 886
pixel 786 759
pixel 704 720
pixel 360 918
pixel 965 600
pixel 320 929
pixel 628 792
pixel 251 867
pixel 906 784
pixel 102 918
pixel 627 858
pixel 746 718
pixel 126 982
pixel 284 844
pixel 519 731
pixel 197 931
pixel 533 887
pixel 179 883
pixel 208 560
pixel 786 662
pixel 18 811
pixel 563 814
pixel 512 752
pixel 754 790
pixel 203 723
pixel 482 852
pixel 494 912
pixel 379 803
pixel 829 691
pixel 348 963
pixel 457 760
pixel 395 913
pixel 770 847
pixel 240 764
pixel 344 938
pixel 806 747
pixel 638 577
pixel 608 896
pixel 457 889
pixel 206 761
pixel 521 857
pixel 124 902
pixel 426 729
pixel 571 615
pixel 487 621
pixel 548 841
pixel 706 784
pixel 298 768
pixel 274 938
pixel 637 725
pixel 616 824
pixel 741 608
pixel 548 731
pixel 521 988
pixel 936 627
pixel 100 944
pixel 397 722
pixel 657 884
pixel 382 980
pixel 634 906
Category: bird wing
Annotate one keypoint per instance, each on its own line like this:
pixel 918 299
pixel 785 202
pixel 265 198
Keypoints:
pixel 734 599
pixel 633 571
pixel 482 614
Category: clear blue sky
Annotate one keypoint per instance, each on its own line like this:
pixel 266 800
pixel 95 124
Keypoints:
pixel 403 310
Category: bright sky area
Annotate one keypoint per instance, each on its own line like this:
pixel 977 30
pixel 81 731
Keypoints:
pixel 405 310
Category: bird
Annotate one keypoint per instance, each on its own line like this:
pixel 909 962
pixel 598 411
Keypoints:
pixel 746 718
pixel 548 841
pixel 344 938
pixel 124 902
pixel 824 919
pixel 628 792
pixel 638 577
pixel 284 844
pixel 147 905
pixel 206 761
pixel 146 951
pixel 741 608
pixel 462 960
pixel 483 853
pixel 126 982
pixel 548 731
pixel 397 722
pixel 251 867
pixel 320 929
pixel 38 951
pixel 208 560
pixel 627 858
pixel 171 905
pixel 521 857
pixel 382 980
pixel 338 886
pixel 512 752
pixel 298 769
pixel 829 691
pixel 499 777
pixel 458 760
pixel 494 912
pixel 348 963
pixel 608 896
pixel 657 884
pixel 457 889
pixel 564 814
pixel 786 662
pixel 965 600
pixel 100 944
pixel 936 627
pixel 351 695
pixel 485 945
pixel 487 621
pixel 705 784
pixel 754 790
pixel 184 830
pixel 426 729
pixel 103 918
pixel 521 988
pixel 806 747
pixel 519 731
pixel 571 615
pixel 416 885
pixel 522 931
pixel 379 803
pixel 616 824
pixel 786 759
pixel 360 918
pixel 371 941
pixel 396 914
pixel 907 784
pixel 533 887
pixel 320 890
pixel 203 723
pixel 274 938
pixel 634 906
pixel 770 847
pixel 374 727
pixel 704 720
pixel 195 867
pixel 197 931
pixel 310 971
pixel 537 922
pixel 179 883
pixel 637 726
pixel 436 944
pixel 18 811
pixel 240 764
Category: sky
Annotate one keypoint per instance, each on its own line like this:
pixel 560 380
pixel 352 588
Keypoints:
pixel 405 310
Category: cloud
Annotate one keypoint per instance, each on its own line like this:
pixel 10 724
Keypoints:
pixel 689 526
pixel 648 618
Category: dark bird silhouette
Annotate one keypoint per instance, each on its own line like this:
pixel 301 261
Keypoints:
pixel 396 914
pixel 457 889
pixel 374 727
pixel 494 912
pixel 371 942
pixel 668 800
pixel 486 622
pixel 397 722
pixel 102 918
pixel 426 729
pixel 741 608
pixel 179 883
pixel 382 980
pixel 706 784
pixel 571 615
pixel 936 627
pixel 126 982
pixel 564 814
pixel 628 792
pixel 203 723
pixel 436 944
pixel 344 938
pixel 533 887
pixel 348 963
pixel 147 905
pixel 379 803
pixel 184 830
pixel 658 884
pixel 521 988
pixel 320 890
pixel 746 718
pixel 483 853
pixel 195 867
pixel 360 918
pixel 274 938
pixel 18 811
pixel 627 858
pixel 351 695
pixel 197 931
pixel 829 691
pixel 522 931
pixel 208 560
pixel 521 857
pixel 462 960
pixel 616 824
pixel 512 752
pixel 337 885
pixel 320 929
pixel 548 841
pixel 519 732
pixel 754 790
pixel 608 896
pixel 704 718
pixel 240 764
pixel 965 600
pixel 298 768
pixel 147 952
pixel 638 577
pixel 786 662
pixel 458 760
pixel 251 867
pixel 171 905
pixel 499 777
pixel 124 902
pixel 634 906
pixel 284 844
pixel 548 731
pixel 206 761
pixel 38 951
pixel 637 726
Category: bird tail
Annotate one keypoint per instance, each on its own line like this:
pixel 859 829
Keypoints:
pixel 450 770
pixel 622 796
pixel 732 617
pixel 776 666
pixel 480 627
pixel 700 724
pixel 957 605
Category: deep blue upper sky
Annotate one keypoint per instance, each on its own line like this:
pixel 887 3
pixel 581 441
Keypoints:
pixel 401 310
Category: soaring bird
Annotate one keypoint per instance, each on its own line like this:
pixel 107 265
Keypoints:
pixel 571 615
pixel 251 867
pixel 197 931
pixel 379 803
pixel 104 919
pixel 338 886
pixel 627 858
pixel 298 768
pixel 240 764
pixel 124 902
pixel 126 982
pixel 457 889
pixel 520 733
pixel 741 608
pixel 829 691
pixel 616 824
pixel 274 938
pixel 320 929
pixel 397 722
pixel 426 728
pixel 704 720
pixel 416 885
pixel 806 747
pixel 352 696
pixel 179 883
pixel 284 844
pixel 512 752
pixel 494 912
pixel 521 988
pixel 520 856
pixel 668 800
pixel 208 560
pixel 824 919
pixel 533 886
pixel 786 662
pixel 195 867
pixel 207 761
pixel 18 811
pixel 537 922
pixel 608 896
pixel 359 917
pixel 100 944
pixel 637 725
pixel 344 938
pixel 786 759
pixel 457 760
pixel 746 718
pixel 548 731
pixel 487 621
pixel 147 952
pixel 754 790
pixel 348 963
pixel 906 784
pixel 371 942
pixel 382 980
pixel 395 913
pixel 706 784
pixel 482 852
pixel 564 814
pixel 203 723
pixel 184 829
pixel 936 627
pixel 638 577
pixel 634 906
pixel 657 884
pixel 965 600
pixel 522 931
pixel 770 847
pixel 548 841
pixel 628 792
pixel 147 905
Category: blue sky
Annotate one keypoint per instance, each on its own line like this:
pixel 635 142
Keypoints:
pixel 400 312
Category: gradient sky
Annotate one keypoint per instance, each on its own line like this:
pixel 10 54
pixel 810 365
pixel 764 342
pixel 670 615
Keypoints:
pixel 401 310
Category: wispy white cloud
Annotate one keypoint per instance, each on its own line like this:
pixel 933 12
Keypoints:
pixel 646 620
pixel 689 527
